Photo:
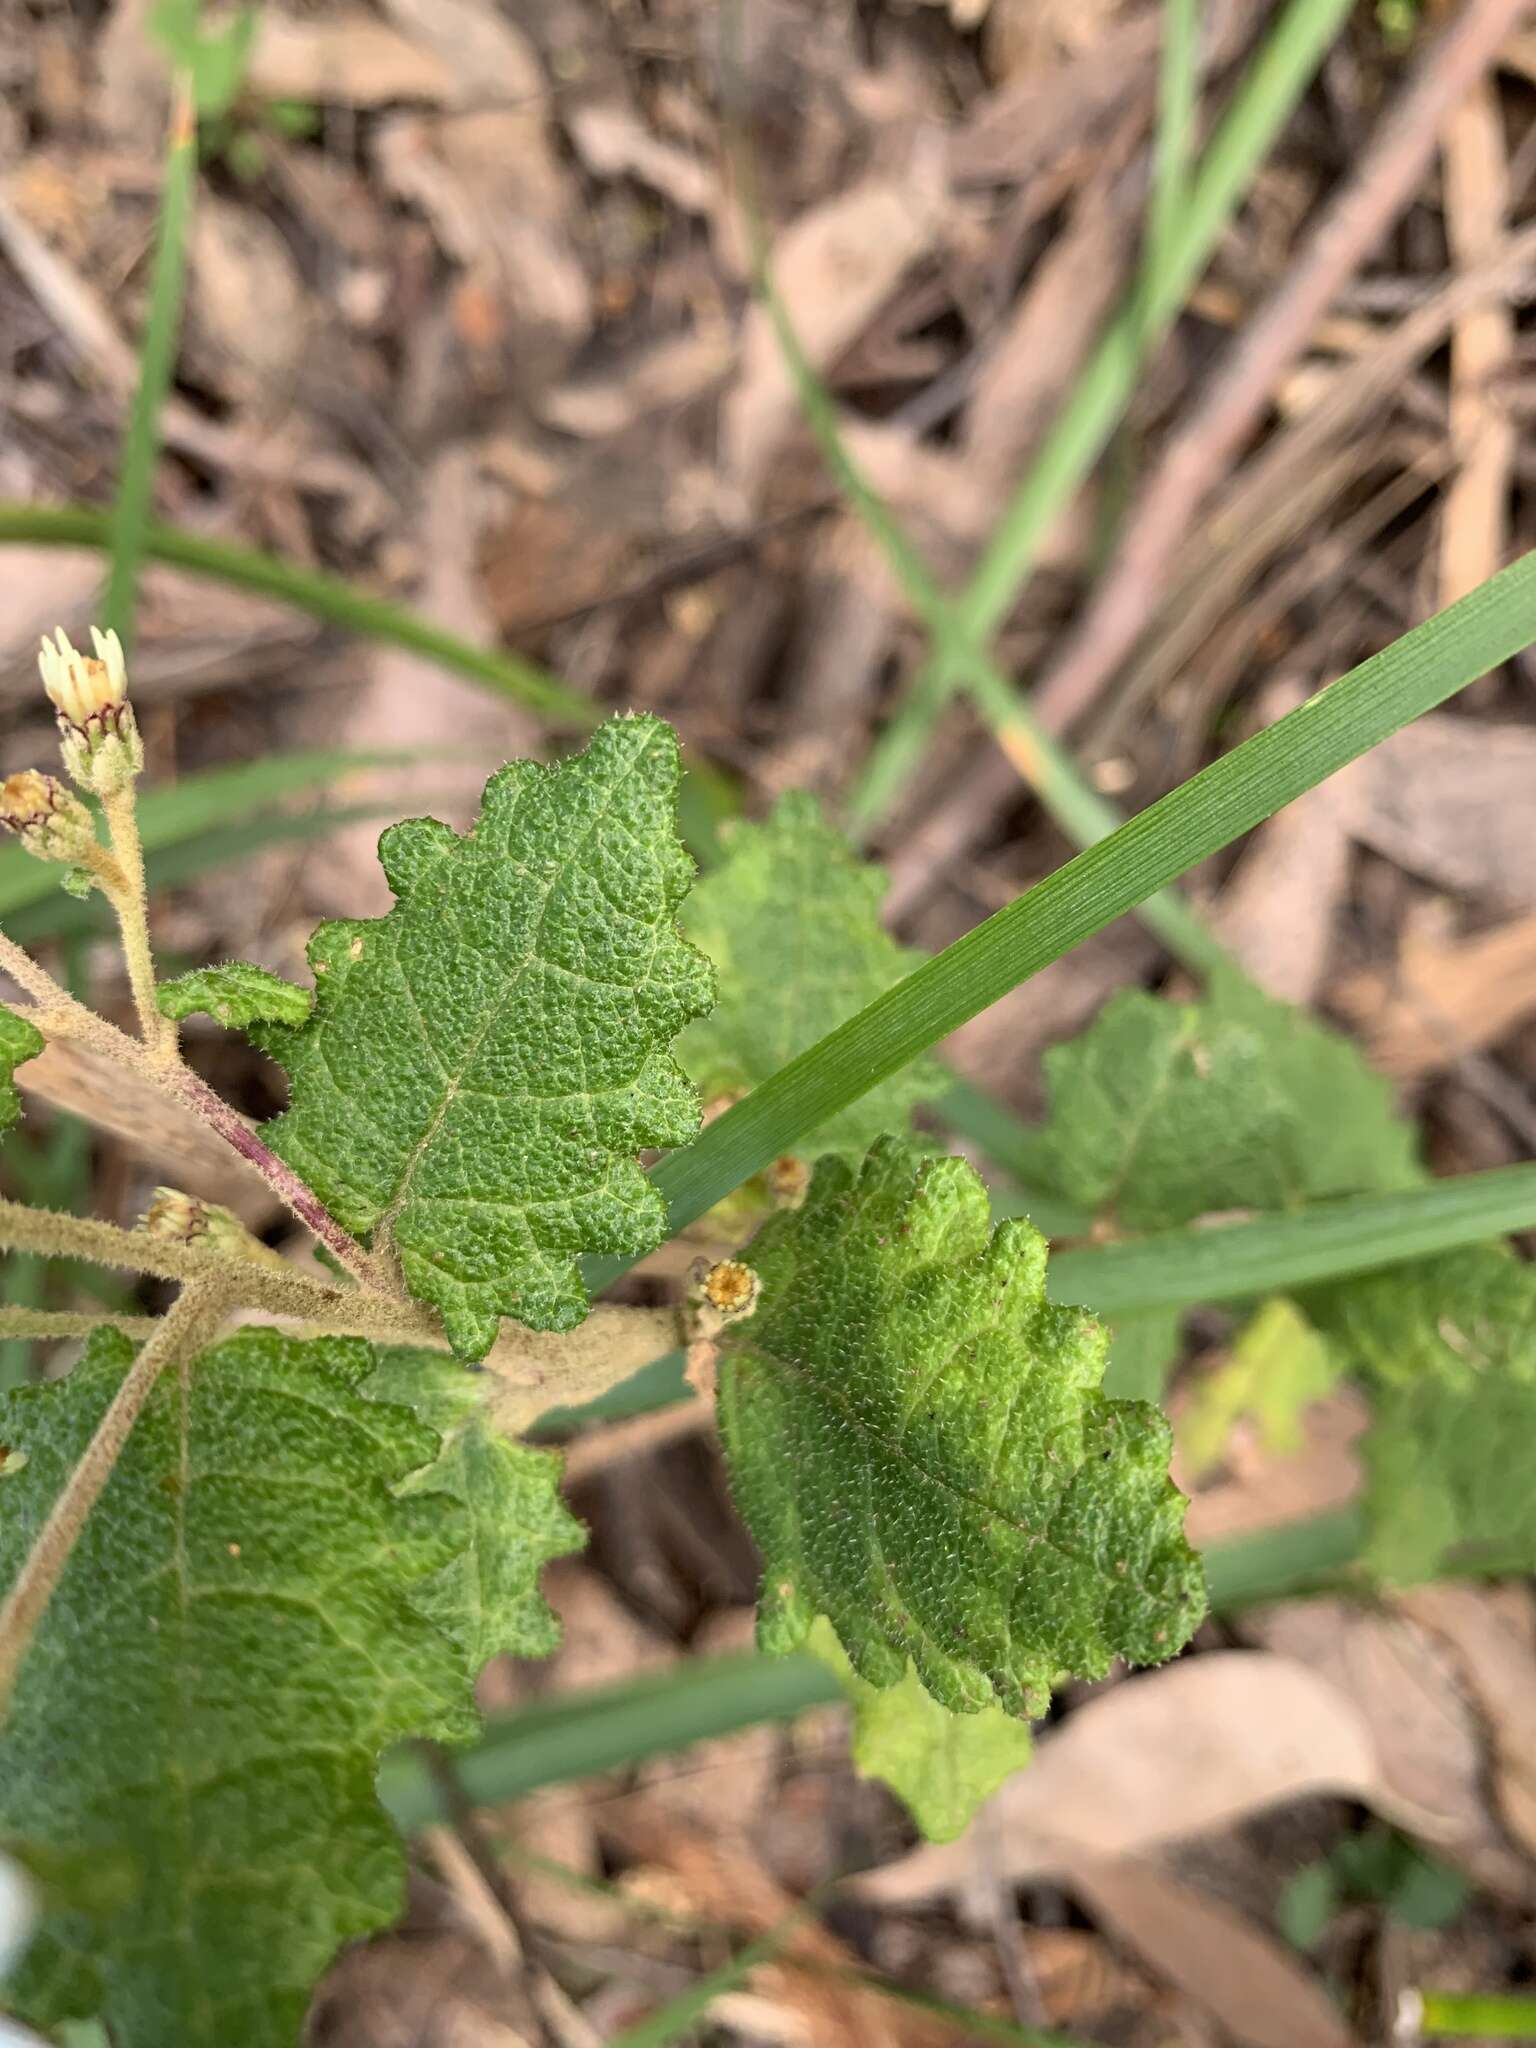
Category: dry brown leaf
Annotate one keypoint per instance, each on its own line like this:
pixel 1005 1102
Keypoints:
pixel 1444 1000
pixel 1194 1746
pixel 1427 1741
pixel 177 1144
pixel 613 142
pixel 1449 799
pixel 1263 1490
pixel 1277 912
pixel 833 268
pixel 1474 527
pixel 720 1883
pixel 247 297
pixel 345 56
pixel 1490 1632
pixel 1261 1993
pixel 417 705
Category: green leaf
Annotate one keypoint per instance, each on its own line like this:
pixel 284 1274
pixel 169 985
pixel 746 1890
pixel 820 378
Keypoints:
pixel 1278 1367
pixel 487 1598
pixel 1161 1112
pixel 188 1765
pixel 921 1450
pixel 1469 1316
pixel 791 921
pixel 1449 1350
pixel 484 1062
pixel 20 1041
pixel 940 1765
pixel 235 994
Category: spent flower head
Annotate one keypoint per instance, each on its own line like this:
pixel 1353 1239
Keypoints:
pixel 187 1219
pixel 48 818
pixel 99 736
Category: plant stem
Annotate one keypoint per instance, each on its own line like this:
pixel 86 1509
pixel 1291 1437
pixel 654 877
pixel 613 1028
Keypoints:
pixel 128 898
pixel 23 1322
pixel 37 981
pixel 187 1326
pixel 281 1179
pixel 55 1236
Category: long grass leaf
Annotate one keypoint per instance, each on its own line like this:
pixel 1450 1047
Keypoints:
pixel 1183 828
pixel 157 362
pixel 320 596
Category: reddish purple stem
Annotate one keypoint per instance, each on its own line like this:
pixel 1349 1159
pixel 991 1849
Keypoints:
pixel 283 1181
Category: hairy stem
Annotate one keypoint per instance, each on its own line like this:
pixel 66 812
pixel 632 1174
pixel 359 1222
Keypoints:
pixel 58 1015
pixel 126 893
pixel 37 981
pixel 189 1324
pixel 69 1322
pixel 281 1179
pixel 534 1369
pixel 257 1285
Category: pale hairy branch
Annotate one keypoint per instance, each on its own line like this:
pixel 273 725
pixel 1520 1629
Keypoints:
pixel 534 1369
pixel 70 1322
pixel 127 895
pixel 194 1317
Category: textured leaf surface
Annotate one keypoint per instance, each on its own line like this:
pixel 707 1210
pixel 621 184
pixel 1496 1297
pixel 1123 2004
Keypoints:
pixel 484 1062
pixel 1161 1112
pixel 1448 1348
pixel 1278 1367
pixel 791 920
pixel 940 1765
pixel 920 1446
pixel 19 1042
pixel 189 1760
pixel 487 1598
pixel 235 994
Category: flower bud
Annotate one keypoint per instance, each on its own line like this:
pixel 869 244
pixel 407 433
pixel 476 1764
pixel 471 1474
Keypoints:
pixel 48 819
pixel 98 734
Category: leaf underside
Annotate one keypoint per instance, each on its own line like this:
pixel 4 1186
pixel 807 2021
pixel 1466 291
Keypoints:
pixel 791 920
pixel 484 1062
pixel 188 1764
pixel 940 1765
pixel 20 1041
pixel 918 1442
pixel 487 1598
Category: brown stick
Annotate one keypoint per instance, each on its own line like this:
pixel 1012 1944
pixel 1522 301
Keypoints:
pixel 1384 182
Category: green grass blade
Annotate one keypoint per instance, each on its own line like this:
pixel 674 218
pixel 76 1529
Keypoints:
pixel 1273 1254
pixel 1183 828
pixel 157 362
pixel 579 1734
pixel 1275 1564
pixel 1486 2015
pixel 1264 102
pixel 1178 85
pixel 680 2015
pixel 318 595
pixel 1268 95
